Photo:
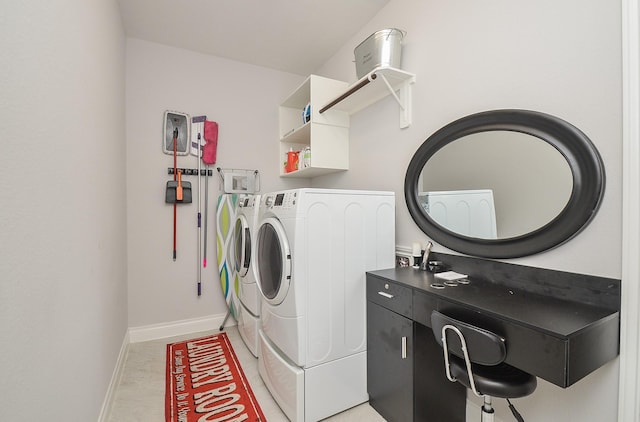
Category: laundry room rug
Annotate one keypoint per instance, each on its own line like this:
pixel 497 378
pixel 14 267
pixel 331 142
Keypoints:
pixel 206 383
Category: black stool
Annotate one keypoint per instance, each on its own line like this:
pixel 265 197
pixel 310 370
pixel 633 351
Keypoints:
pixel 474 357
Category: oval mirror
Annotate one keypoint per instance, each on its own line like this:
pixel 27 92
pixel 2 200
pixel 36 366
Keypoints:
pixel 504 183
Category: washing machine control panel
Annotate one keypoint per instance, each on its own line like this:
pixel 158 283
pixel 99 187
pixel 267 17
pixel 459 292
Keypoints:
pixel 283 199
pixel 247 201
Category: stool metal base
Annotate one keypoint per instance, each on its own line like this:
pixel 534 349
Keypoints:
pixel 487 410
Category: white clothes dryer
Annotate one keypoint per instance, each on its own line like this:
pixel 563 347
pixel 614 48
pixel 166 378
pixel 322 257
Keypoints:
pixel 313 248
pixel 244 231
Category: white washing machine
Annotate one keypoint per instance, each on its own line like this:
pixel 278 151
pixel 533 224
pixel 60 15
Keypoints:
pixel 244 231
pixel 313 247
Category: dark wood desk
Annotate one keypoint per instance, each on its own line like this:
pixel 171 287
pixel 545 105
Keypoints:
pixel 558 340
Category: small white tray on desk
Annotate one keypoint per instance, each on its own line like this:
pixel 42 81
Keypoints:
pixel 450 276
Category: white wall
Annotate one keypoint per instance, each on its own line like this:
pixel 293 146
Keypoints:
pixel 63 303
pixel 244 100
pixel 562 58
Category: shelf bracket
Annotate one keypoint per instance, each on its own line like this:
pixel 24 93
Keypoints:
pixel 386 82
pixel 406 107
pixel 403 100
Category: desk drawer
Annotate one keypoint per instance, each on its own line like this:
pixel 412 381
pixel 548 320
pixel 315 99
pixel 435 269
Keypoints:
pixel 392 296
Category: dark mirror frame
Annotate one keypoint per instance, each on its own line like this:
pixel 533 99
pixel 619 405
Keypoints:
pixel 583 159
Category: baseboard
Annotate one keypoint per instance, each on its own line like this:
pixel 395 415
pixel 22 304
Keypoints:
pixel 115 380
pixel 156 332
pixel 403 249
pixel 404 253
pixel 177 328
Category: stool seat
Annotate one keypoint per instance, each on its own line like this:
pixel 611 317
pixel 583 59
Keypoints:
pixel 501 380
pixel 475 357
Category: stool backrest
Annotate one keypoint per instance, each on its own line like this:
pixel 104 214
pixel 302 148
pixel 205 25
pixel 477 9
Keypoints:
pixel 484 347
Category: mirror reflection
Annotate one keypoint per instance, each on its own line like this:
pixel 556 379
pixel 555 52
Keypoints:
pixel 495 184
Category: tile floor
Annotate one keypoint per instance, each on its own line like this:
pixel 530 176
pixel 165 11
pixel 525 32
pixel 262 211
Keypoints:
pixel 140 395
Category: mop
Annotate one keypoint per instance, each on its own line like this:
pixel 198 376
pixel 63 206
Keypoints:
pixel 208 158
pixel 196 149
pixel 176 120
pixel 176 130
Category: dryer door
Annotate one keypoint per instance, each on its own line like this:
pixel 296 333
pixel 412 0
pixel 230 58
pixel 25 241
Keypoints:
pixel 273 261
pixel 242 253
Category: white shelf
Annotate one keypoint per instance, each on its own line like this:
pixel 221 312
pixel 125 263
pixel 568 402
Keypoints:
pixel 327 135
pixel 371 88
pixel 299 135
pixel 332 102
pixel 310 172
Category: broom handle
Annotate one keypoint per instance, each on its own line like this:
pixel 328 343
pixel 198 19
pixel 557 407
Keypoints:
pixel 199 220
pixel 206 206
pixel 175 176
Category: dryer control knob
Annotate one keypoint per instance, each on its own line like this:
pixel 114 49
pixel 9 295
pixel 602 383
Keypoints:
pixel 268 201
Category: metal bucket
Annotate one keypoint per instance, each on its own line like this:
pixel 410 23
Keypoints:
pixel 381 49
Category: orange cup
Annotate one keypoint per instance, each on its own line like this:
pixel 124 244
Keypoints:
pixel 292 161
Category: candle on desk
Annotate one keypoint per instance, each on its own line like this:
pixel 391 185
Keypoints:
pixel 417 249
pixel 417 254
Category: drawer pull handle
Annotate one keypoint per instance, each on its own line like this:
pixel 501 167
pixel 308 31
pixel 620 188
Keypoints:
pixel 404 347
pixel 387 295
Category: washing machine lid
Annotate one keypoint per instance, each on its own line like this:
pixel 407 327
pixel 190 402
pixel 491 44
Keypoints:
pixel 242 245
pixel 273 261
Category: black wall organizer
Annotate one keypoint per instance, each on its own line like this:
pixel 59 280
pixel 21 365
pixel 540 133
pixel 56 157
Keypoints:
pixel 191 172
